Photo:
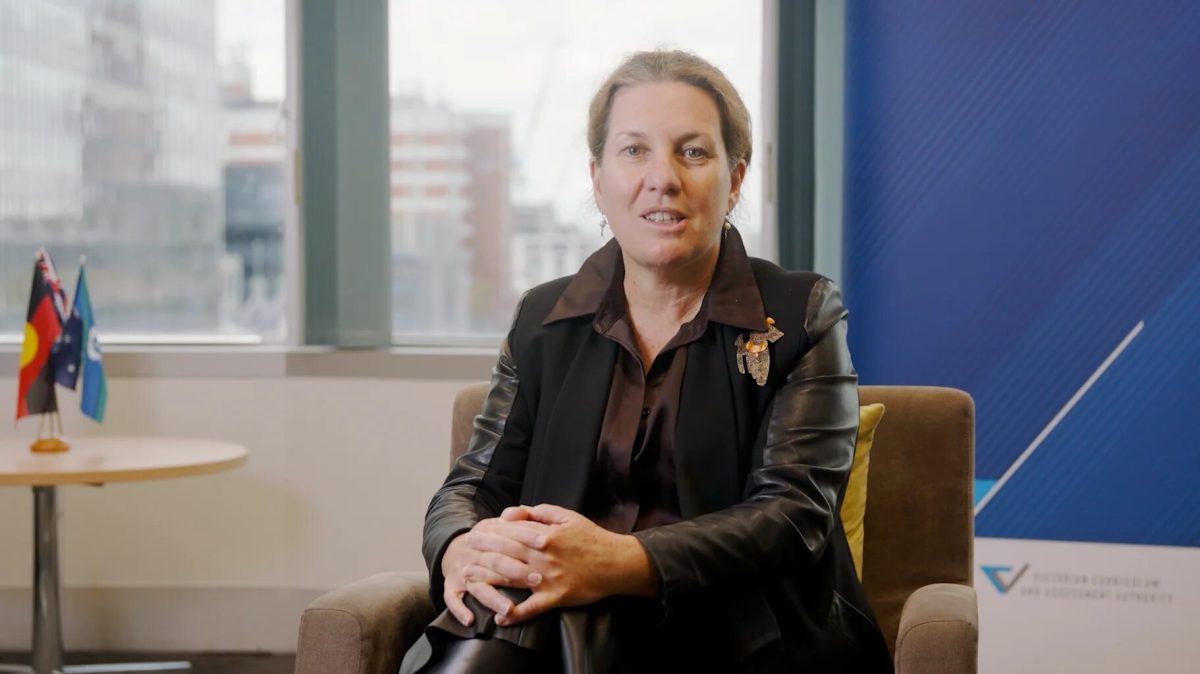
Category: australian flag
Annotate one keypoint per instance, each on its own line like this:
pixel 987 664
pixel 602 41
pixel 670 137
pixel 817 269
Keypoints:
pixel 77 352
pixel 68 349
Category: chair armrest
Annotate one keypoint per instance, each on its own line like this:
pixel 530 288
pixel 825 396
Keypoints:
pixel 364 627
pixel 939 631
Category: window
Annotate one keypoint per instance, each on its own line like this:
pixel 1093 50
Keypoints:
pixel 153 137
pixel 149 137
pixel 490 188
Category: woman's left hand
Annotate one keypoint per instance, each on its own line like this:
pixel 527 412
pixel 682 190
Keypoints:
pixel 581 563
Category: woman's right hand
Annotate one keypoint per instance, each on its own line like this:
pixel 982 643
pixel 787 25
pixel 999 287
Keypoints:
pixel 494 553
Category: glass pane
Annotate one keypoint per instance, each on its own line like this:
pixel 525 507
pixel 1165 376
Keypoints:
pixel 147 136
pixel 490 187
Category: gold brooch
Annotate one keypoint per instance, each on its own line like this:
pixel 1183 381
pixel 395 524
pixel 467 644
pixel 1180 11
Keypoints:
pixel 753 356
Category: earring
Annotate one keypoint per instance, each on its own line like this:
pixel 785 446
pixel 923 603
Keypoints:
pixel 727 226
pixel 603 224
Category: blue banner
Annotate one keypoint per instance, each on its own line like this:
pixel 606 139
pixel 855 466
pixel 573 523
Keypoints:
pixel 1023 222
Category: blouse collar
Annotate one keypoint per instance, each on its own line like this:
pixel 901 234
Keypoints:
pixel 732 299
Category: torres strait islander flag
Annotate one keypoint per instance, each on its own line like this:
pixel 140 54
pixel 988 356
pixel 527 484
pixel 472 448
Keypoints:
pixel 43 324
pixel 86 352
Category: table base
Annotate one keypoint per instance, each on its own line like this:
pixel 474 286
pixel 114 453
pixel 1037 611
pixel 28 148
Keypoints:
pixel 47 623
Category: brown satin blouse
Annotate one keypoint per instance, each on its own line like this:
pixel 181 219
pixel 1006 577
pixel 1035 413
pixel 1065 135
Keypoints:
pixel 632 485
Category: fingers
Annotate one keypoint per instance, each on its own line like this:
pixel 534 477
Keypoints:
pixel 515 513
pixel 514 539
pixel 536 604
pixel 454 604
pixel 496 569
pixel 485 542
pixel 545 513
pixel 482 574
pixel 552 514
pixel 490 597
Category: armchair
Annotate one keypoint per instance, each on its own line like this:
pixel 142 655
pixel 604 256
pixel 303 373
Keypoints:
pixel 917 551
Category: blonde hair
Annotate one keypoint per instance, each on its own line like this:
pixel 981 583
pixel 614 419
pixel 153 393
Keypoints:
pixel 646 67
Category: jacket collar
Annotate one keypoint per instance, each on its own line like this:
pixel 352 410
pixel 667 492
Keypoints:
pixel 733 297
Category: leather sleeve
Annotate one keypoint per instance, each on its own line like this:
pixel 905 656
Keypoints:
pixel 486 479
pixel 790 500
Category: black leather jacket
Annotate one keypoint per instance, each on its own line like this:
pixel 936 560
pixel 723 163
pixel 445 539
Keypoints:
pixel 760 469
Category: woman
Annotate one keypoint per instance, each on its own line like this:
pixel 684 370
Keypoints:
pixel 653 482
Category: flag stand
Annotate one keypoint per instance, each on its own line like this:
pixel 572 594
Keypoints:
pixel 49 445
pixel 58 349
pixel 53 443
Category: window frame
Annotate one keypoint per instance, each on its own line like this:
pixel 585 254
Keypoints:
pixel 320 330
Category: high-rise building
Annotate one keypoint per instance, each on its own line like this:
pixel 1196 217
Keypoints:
pixel 544 249
pixel 489 219
pixel 110 146
pixel 450 182
pixel 121 138
pixel 256 190
pixel 450 213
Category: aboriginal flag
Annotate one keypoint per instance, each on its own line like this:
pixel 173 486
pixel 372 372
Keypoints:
pixel 43 323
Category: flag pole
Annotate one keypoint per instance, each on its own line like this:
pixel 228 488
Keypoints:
pixel 53 442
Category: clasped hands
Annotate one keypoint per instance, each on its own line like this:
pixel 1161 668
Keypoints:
pixel 564 558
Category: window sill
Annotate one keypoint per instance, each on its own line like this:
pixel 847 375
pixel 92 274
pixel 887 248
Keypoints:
pixel 265 362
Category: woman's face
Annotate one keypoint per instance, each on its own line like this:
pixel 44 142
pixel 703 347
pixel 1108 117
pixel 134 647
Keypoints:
pixel 664 181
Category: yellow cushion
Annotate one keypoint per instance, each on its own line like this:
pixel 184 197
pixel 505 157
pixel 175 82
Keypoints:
pixel 854 503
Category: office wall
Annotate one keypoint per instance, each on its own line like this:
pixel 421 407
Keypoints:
pixel 339 474
pixel 1023 222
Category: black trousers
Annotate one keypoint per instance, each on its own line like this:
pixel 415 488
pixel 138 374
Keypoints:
pixel 496 656
pixel 624 636
pixel 489 656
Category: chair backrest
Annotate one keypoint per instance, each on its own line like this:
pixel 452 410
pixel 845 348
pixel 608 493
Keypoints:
pixel 919 526
pixel 920 521
pixel 467 405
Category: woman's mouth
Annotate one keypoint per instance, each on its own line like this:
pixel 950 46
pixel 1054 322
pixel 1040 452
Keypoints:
pixel 664 218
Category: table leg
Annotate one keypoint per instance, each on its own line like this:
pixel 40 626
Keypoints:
pixel 47 620
pixel 47 623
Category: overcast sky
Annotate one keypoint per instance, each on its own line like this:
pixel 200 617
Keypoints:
pixel 536 61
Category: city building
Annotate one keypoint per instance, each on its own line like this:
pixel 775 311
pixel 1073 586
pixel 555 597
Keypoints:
pixel 544 249
pixel 254 172
pixel 110 147
pixel 451 215
pixel 123 139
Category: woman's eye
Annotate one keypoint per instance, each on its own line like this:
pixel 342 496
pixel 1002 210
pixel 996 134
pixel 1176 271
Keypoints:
pixel 632 151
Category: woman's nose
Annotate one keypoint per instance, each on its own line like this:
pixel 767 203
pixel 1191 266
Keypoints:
pixel 662 175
